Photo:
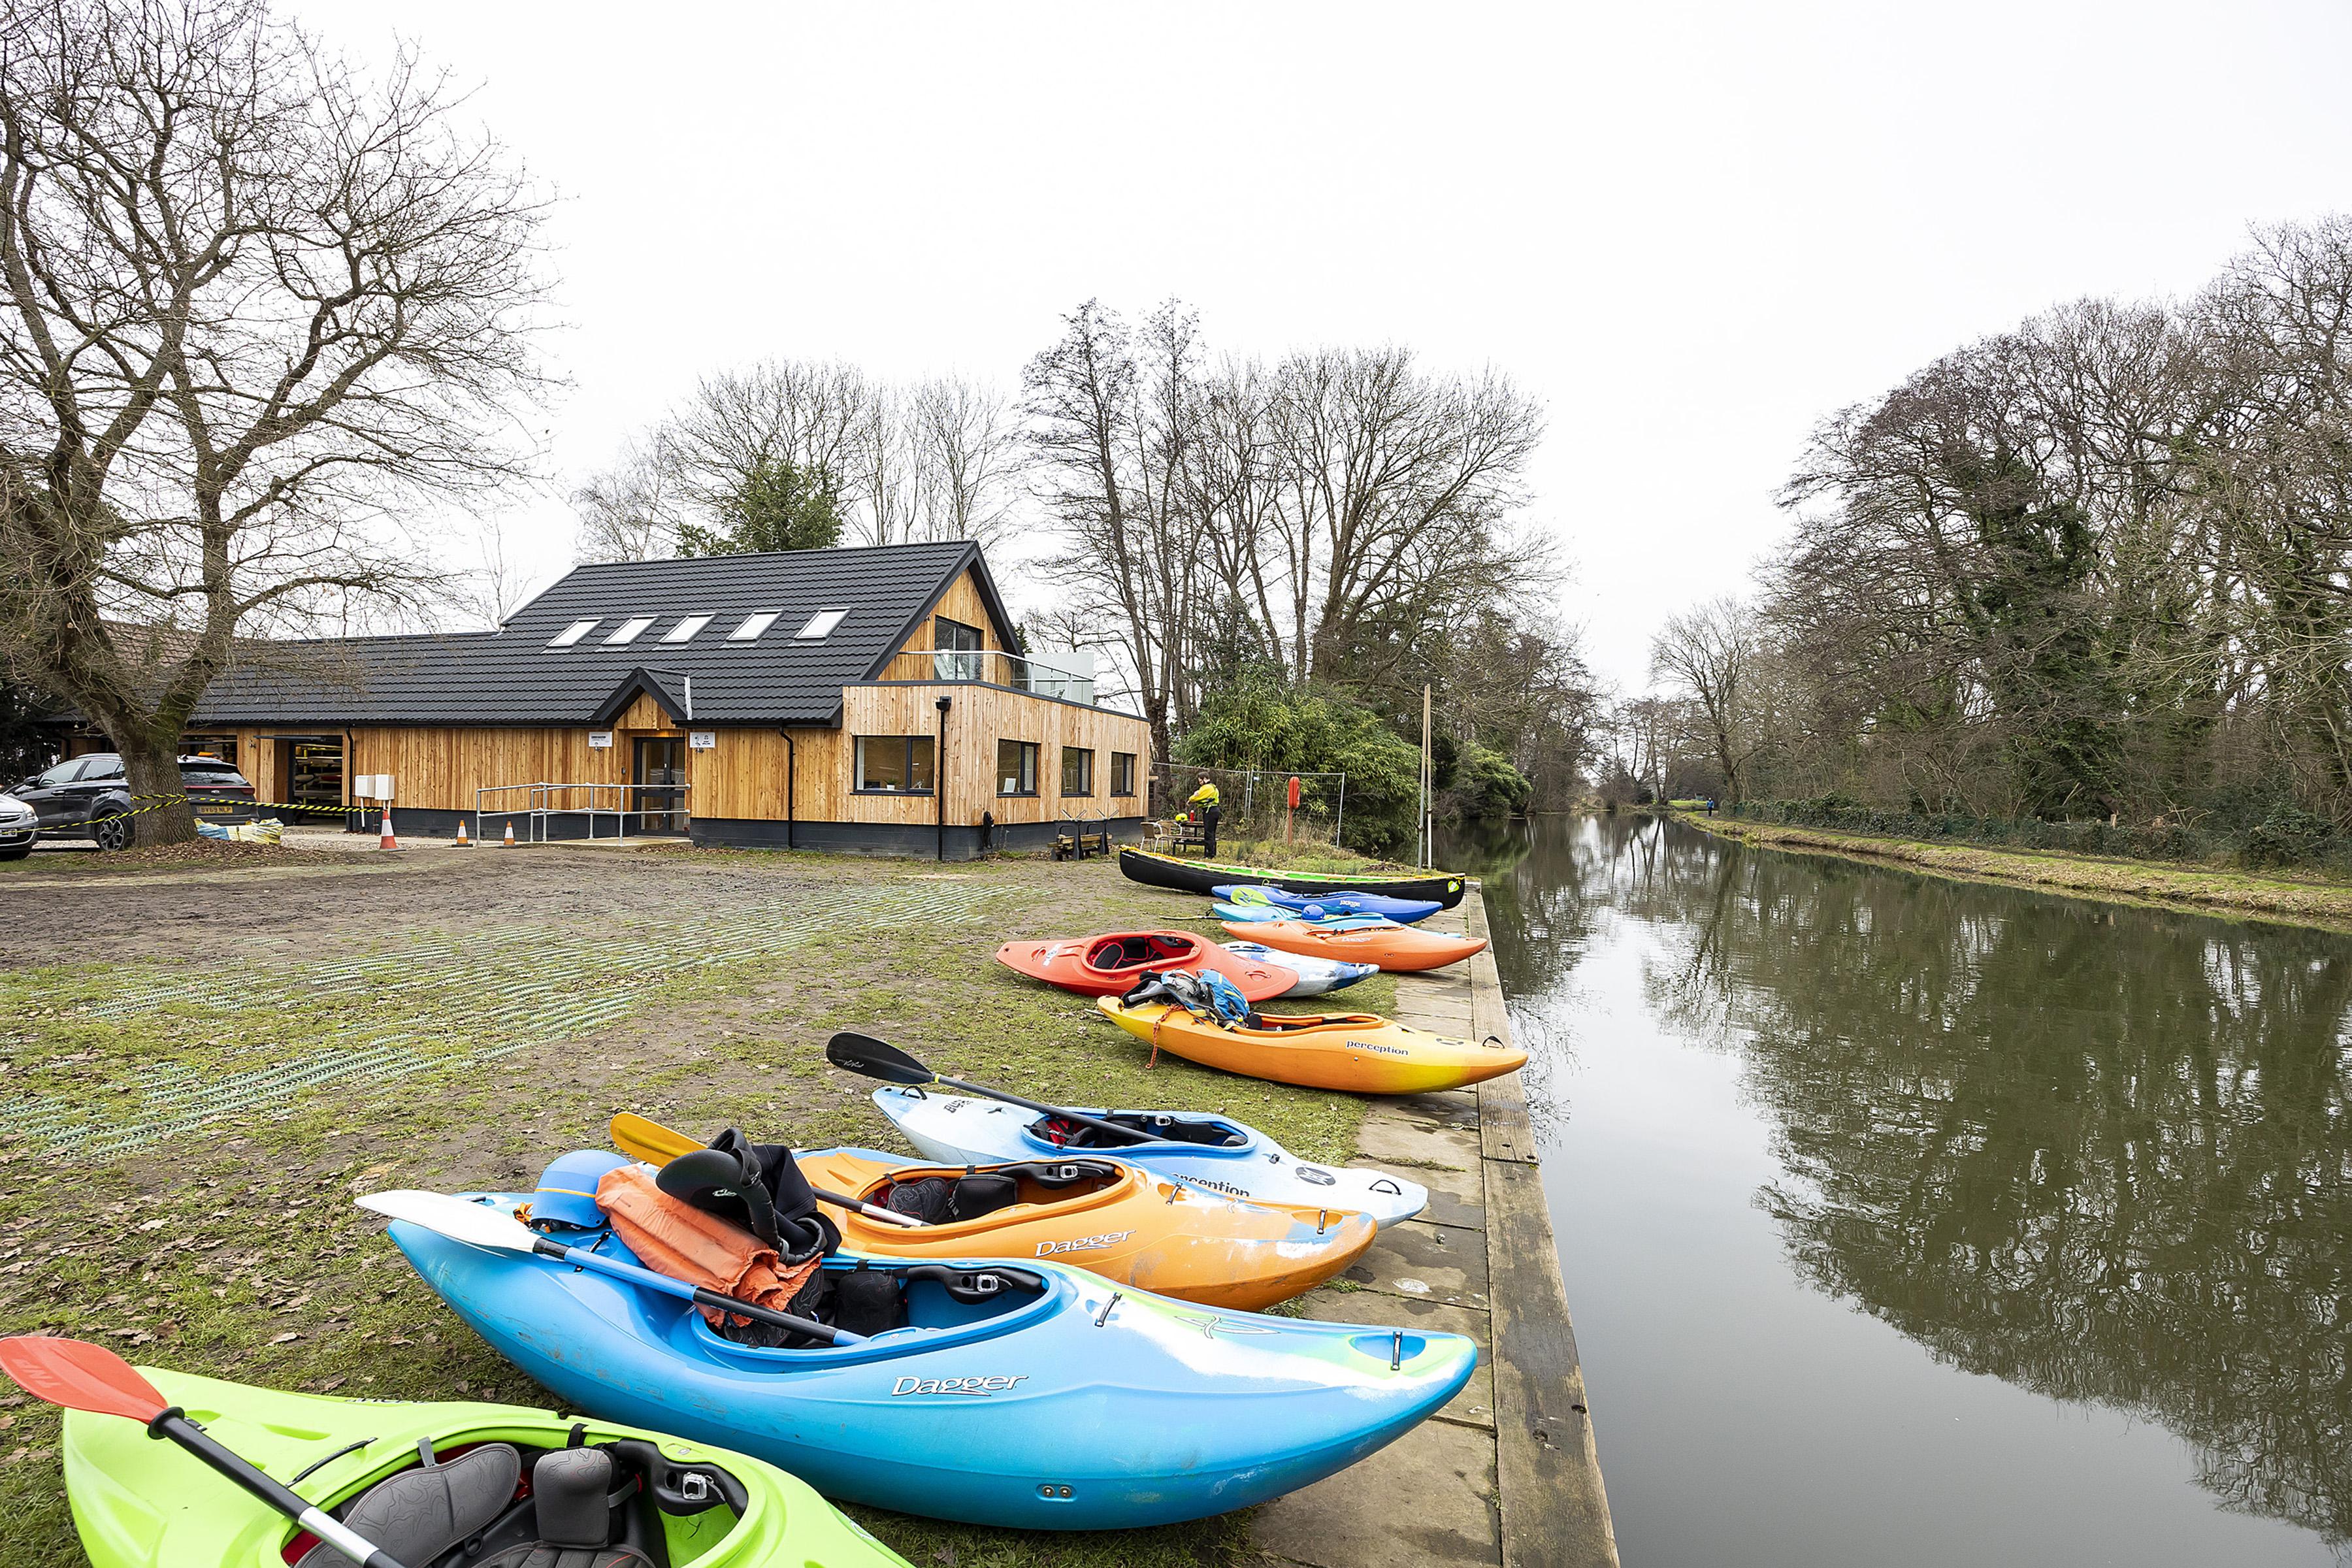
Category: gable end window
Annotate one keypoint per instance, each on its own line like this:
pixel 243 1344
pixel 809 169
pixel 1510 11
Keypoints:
pixel 957 654
pixel 1078 771
pixel 1016 767
pixel 1122 773
pixel 894 765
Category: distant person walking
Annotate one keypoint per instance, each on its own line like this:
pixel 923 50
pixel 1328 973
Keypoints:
pixel 1205 797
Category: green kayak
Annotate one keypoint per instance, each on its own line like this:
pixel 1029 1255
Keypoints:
pixel 506 1487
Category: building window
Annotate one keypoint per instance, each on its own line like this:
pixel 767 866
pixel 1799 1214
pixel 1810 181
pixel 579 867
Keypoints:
pixel 751 625
pixel 1016 767
pixel 958 647
pixel 629 630
pixel 1122 773
pixel 572 634
pixel 1078 771
pixel 685 628
pixel 820 625
pixel 894 765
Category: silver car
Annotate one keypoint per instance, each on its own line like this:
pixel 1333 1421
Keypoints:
pixel 17 828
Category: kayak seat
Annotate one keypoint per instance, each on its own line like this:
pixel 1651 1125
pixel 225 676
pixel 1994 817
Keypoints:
pixel 943 1200
pixel 419 1514
pixel 572 1507
pixel 1125 952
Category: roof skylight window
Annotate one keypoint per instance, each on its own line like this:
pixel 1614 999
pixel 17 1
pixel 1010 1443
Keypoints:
pixel 752 625
pixel 572 634
pixel 685 628
pixel 820 625
pixel 629 630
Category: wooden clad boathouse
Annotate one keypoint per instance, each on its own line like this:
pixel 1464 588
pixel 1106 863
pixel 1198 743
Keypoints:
pixel 862 700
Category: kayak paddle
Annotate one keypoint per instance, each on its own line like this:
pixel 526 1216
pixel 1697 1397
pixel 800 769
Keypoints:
pixel 486 1229
pixel 76 1376
pixel 642 1138
pixel 874 1059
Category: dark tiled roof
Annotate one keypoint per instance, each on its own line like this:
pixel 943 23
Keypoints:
pixel 512 676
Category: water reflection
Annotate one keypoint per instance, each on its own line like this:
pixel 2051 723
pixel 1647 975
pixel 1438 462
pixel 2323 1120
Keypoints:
pixel 2102 1154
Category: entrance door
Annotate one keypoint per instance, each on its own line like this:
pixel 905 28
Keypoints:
pixel 659 777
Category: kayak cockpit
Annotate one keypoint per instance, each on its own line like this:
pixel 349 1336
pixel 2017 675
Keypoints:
pixel 1159 1126
pixel 502 1504
pixel 1141 950
pixel 890 1303
pixel 944 1198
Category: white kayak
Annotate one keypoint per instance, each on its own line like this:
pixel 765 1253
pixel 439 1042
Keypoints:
pixel 1226 1156
pixel 1316 975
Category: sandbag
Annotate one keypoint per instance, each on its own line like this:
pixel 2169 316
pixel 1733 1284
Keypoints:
pixel 685 1243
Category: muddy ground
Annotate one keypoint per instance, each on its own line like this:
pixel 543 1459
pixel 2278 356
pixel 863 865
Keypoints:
pixel 206 1064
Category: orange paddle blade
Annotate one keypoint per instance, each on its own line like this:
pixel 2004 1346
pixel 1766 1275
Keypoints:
pixel 79 1376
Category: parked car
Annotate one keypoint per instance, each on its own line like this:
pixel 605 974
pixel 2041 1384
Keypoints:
pixel 89 797
pixel 20 827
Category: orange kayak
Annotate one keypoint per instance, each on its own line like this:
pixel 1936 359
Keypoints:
pixel 1392 947
pixel 1123 1223
pixel 1110 965
pixel 1360 1052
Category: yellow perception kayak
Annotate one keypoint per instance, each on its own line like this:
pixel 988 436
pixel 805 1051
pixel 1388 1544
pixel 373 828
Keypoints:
pixel 1175 1239
pixel 1360 1052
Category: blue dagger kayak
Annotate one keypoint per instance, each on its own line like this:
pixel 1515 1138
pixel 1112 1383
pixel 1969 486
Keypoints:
pixel 1076 1406
pixel 1407 911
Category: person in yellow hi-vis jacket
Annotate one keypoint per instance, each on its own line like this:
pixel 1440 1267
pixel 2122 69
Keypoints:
pixel 1205 797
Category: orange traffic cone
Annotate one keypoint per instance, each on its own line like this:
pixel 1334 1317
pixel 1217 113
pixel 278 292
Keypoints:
pixel 387 841
pixel 463 842
pixel 510 833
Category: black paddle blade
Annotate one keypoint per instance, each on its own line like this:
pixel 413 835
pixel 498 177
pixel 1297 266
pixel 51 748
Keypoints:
pixel 874 1059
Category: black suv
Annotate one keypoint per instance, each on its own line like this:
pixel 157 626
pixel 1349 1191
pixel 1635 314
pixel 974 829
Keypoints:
pixel 90 796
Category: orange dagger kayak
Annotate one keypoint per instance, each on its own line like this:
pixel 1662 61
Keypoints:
pixel 1392 947
pixel 1360 1052
pixel 1175 1239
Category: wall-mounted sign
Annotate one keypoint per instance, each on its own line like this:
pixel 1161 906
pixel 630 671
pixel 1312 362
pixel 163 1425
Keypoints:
pixel 600 740
pixel 703 740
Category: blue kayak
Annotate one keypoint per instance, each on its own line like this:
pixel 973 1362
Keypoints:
pixel 1073 1404
pixel 1407 911
pixel 1252 914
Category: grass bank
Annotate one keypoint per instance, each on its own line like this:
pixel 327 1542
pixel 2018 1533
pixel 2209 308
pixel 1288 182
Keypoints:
pixel 207 1067
pixel 2202 889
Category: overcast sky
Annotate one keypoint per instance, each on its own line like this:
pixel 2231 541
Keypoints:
pixel 1692 231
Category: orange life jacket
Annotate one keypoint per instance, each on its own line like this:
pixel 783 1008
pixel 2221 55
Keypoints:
pixel 685 1243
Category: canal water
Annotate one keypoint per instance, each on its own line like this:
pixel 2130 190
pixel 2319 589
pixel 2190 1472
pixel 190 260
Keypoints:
pixel 1916 1223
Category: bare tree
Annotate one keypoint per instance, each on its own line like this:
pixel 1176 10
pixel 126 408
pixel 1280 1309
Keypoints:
pixel 966 454
pixel 935 461
pixel 630 511
pixel 1111 423
pixel 1398 490
pixel 1709 654
pixel 254 307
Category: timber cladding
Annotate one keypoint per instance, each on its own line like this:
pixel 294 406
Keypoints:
pixel 742 773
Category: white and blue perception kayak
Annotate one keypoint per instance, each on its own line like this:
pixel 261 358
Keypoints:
pixel 1212 1152
pixel 1316 975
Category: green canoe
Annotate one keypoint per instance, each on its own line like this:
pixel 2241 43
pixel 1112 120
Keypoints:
pixel 140 1503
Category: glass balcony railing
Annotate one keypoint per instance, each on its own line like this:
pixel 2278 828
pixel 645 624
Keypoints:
pixel 989 667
